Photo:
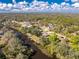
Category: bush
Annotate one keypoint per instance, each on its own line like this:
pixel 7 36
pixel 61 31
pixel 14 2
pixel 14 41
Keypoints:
pixel 34 30
pixel 53 38
pixel 14 48
pixel 74 42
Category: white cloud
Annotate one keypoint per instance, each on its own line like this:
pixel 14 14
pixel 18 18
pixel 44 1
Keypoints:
pixel 9 5
pixel 55 5
pixel 14 1
pixel 76 5
pixel 67 0
pixel 38 6
pixel 65 5
pixel 74 0
pixel 20 4
pixel 3 5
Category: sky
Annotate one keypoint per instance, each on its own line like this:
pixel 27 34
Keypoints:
pixel 10 1
pixel 24 6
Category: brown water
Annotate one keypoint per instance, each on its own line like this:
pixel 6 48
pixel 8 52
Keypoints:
pixel 40 55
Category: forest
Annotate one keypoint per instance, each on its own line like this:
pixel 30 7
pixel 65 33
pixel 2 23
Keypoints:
pixel 39 36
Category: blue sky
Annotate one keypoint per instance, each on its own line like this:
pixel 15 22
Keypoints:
pixel 10 1
pixel 39 6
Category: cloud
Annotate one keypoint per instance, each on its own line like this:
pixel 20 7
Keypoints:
pixel 67 0
pixel 74 0
pixel 76 5
pixel 14 1
pixel 3 5
pixel 55 6
pixel 39 6
pixel 65 5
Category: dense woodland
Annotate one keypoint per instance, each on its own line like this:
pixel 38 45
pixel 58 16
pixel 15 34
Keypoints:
pixel 22 36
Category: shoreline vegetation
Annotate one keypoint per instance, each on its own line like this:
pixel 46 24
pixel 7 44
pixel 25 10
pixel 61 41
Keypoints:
pixel 39 36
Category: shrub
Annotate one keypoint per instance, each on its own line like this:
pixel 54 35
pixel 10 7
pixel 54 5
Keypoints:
pixel 14 48
pixel 53 38
pixel 34 30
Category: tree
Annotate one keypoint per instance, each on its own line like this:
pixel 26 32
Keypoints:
pixel 62 51
pixel 53 38
pixel 74 40
pixel 34 30
pixel 53 43
pixel 14 49
pixel 2 56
